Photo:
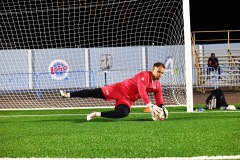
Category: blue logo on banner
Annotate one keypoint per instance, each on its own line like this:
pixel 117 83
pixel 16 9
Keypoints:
pixel 58 69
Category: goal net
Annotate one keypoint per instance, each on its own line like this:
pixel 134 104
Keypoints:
pixel 73 45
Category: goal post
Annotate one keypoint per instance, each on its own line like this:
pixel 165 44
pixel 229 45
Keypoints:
pixel 74 45
pixel 188 56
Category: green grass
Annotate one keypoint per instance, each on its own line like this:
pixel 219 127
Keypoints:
pixel 66 133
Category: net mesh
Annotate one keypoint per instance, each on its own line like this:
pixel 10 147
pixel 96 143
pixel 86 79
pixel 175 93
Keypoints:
pixel 72 45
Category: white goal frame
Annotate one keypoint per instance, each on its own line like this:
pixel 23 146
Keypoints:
pixel 188 55
pixel 48 46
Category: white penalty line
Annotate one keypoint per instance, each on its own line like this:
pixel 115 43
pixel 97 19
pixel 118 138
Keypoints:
pixel 160 158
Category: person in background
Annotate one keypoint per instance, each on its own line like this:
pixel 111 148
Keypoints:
pixel 213 65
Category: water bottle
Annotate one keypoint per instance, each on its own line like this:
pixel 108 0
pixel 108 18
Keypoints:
pixel 209 105
pixel 214 102
pixel 200 110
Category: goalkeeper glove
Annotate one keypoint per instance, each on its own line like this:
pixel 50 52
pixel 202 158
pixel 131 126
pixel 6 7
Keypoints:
pixel 154 109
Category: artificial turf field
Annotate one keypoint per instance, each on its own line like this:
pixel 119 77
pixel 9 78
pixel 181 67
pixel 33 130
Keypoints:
pixel 65 133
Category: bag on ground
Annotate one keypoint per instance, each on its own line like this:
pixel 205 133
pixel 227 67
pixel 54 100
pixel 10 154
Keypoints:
pixel 216 99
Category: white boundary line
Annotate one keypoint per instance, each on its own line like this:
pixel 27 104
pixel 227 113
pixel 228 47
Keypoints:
pixel 160 158
pixel 47 115
pixel 66 108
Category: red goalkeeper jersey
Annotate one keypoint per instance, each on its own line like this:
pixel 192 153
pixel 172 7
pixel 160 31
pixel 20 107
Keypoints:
pixel 135 88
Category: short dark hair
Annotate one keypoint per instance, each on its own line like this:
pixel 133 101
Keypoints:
pixel 159 64
pixel 212 54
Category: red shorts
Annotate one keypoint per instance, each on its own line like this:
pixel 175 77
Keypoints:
pixel 113 92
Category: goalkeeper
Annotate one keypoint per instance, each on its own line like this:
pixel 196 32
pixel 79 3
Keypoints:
pixel 125 93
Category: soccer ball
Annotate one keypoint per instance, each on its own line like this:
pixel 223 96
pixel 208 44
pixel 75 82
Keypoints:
pixel 159 117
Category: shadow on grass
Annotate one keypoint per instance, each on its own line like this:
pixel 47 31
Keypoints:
pixel 174 117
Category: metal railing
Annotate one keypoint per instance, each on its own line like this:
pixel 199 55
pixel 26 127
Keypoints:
pixel 229 59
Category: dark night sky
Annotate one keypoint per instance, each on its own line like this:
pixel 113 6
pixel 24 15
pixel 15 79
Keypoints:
pixel 73 23
pixel 207 15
